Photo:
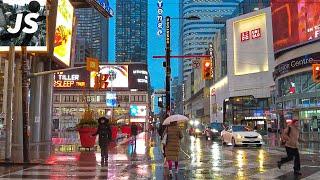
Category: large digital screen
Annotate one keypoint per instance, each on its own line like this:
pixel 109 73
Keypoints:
pixel 294 22
pixel 117 76
pixel 250 45
pixel 138 77
pixel 138 111
pixel 111 99
pixel 76 79
pixel 23 23
pixel 63 32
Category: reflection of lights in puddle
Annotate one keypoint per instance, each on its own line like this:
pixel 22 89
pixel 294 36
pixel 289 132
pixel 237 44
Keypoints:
pixel 241 158
pixel 118 157
pixel 261 160
pixel 215 155
pixel 196 151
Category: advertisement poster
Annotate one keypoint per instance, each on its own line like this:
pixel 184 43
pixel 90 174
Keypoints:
pixel 138 77
pixel 75 79
pixel 118 76
pixel 295 22
pixel 63 33
pixel 111 99
pixel 138 111
pixel 23 22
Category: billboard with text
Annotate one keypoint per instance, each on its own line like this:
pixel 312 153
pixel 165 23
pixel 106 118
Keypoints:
pixel 294 22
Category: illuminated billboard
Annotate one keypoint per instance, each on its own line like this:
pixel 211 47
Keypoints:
pixel 63 32
pixel 138 77
pixel 294 22
pixel 23 23
pixel 118 76
pixel 76 79
pixel 138 111
pixel 111 99
pixel 106 6
pixel 250 44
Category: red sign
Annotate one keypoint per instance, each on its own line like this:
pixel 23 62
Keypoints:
pixel 253 34
pixel 294 22
pixel 256 33
pixel 245 36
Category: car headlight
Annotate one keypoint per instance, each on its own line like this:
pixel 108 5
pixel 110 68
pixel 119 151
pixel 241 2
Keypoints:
pixel 260 137
pixel 239 136
pixel 198 131
pixel 214 130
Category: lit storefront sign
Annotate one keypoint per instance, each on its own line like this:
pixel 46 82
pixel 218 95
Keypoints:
pixel 72 80
pixel 250 33
pixel 63 32
pixel 20 26
pixel 295 64
pixel 254 118
pixel 253 34
pixel 138 120
pixel 160 18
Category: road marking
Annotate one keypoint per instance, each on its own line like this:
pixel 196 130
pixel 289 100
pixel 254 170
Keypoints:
pixel 273 173
pixel 315 176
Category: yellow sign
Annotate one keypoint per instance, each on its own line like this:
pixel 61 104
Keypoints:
pixel 92 64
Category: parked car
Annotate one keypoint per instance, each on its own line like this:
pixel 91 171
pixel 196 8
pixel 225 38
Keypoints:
pixel 214 130
pixel 241 135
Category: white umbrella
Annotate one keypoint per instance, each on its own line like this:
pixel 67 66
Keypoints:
pixel 176 117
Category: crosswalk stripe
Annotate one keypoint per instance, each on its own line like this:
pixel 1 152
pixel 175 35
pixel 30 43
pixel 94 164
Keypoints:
pixel 315 176
pixel 273 173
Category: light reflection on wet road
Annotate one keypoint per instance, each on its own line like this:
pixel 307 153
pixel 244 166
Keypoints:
pixel 208 160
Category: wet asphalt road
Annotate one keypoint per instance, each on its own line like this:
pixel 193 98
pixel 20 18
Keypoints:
pixel 202 160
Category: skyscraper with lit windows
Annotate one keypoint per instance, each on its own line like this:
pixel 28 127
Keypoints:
pixel 131 31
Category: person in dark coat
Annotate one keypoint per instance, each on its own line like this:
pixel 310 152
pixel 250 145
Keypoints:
pixel 134 132
pixel 104 132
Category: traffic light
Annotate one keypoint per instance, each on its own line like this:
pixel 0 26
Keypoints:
pixel 207 69
pixel 97 82
pixel 316 72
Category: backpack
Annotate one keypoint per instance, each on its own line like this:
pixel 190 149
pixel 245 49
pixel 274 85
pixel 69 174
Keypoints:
pixel 282 139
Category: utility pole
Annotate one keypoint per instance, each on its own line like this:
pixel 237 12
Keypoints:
pixel 25 104
pixel 168 68
pixel 8 112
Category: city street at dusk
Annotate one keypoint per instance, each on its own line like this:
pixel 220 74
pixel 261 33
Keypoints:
pixel 160 89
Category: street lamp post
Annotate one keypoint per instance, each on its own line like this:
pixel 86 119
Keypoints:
pixel 167 57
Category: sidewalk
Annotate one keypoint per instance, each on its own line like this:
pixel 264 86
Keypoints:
pixel 42 153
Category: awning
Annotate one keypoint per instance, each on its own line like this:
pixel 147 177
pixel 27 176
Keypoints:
pixel 101 6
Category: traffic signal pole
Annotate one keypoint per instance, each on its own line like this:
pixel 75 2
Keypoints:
pixel 168 68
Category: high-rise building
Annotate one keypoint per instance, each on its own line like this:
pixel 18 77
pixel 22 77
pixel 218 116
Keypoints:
pixel 131 31
pixel 197 34
pixel 247 6
pixel 92 35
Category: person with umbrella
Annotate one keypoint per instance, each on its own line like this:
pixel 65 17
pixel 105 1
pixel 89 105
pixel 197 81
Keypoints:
pixel 104 132
pixel 174 135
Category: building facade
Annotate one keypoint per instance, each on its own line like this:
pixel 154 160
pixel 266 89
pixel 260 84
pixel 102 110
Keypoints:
pixel 297 95
pixel 247 6
pixel 124 98
pixel 92 35
pixel 196 38
pixel 131 31
pixel 243 95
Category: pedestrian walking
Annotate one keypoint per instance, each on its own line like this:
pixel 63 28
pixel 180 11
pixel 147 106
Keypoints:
pixel 134 133
pixel 105 136
pixel 174 135
pixel 291 136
